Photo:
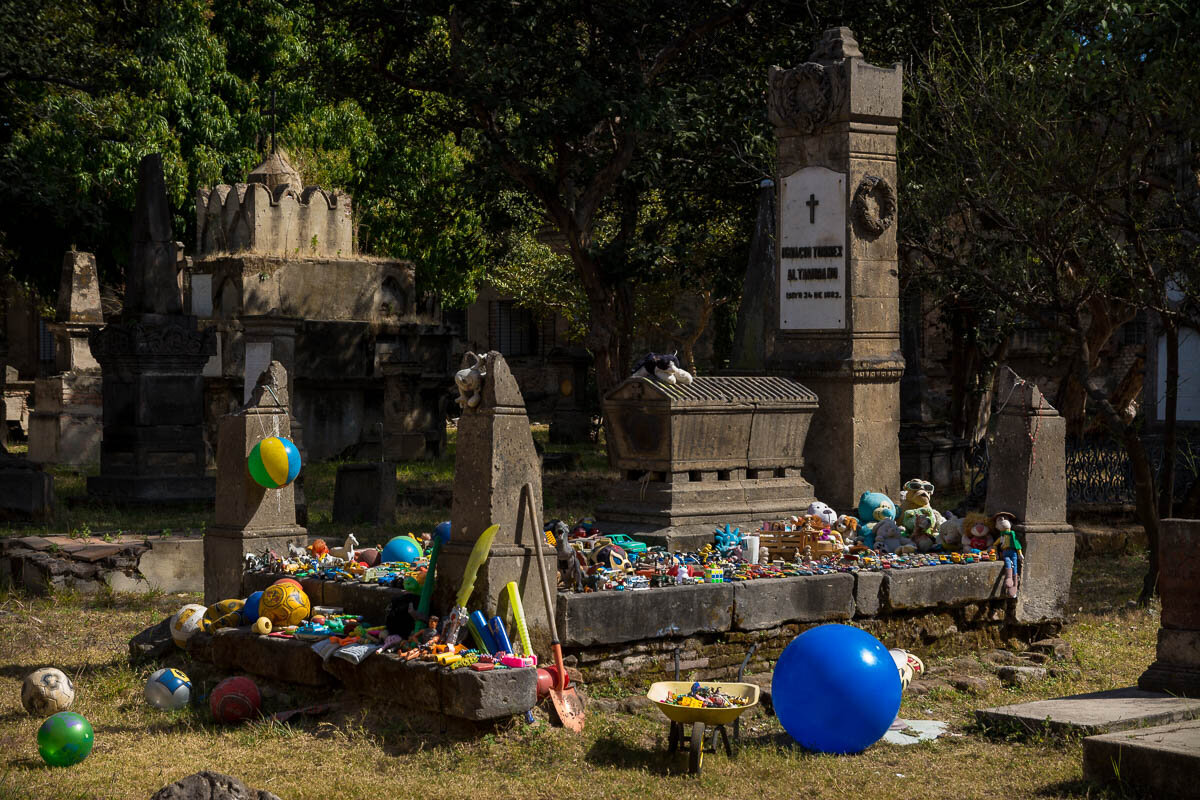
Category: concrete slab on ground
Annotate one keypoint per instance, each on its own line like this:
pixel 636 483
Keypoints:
pixel 1096 712
pixel 1162 761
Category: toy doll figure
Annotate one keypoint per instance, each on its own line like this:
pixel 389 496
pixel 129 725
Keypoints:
pixel 1008 545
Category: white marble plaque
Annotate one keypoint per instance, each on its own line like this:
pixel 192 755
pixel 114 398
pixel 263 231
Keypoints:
pixel 812 250
pixel 1187 401
pixel 258 358
pixel 202 295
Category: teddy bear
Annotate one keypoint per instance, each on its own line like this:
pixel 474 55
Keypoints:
pixel 847 527
pixel 872 508
pixel 977 533
pixel 890 538
pixel 827 514
pixel 918 494
pixel 921 525
pixel 950 533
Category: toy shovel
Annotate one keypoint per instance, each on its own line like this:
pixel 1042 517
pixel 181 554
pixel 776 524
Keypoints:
pixel 567 702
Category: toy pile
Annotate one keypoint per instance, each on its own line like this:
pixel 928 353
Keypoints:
pixel 705 697
pixel 882 535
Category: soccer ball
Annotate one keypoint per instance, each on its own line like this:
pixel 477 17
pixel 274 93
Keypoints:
pixel 225 614
pixel 235 699
pixel 47 691
pixel 187 621
pixel 168 689
pixel 284 605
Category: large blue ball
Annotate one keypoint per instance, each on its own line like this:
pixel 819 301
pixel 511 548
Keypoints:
pixel 401 548
pixel 836 689
pixel 250 610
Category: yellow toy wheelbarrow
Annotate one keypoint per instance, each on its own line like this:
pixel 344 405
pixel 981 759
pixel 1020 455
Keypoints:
pixel 704 722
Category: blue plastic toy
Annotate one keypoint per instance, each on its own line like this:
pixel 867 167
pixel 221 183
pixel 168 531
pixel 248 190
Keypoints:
pixel 250 609
pixel 728 538
pixel 859 695
pixel 401 548
pixel 500 635
pixel 479 622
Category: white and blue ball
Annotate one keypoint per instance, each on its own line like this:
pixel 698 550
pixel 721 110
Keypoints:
pixel 168 689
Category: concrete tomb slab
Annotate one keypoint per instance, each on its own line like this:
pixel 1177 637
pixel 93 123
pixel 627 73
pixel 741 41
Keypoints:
pixel 1161 762
pixel 1095 712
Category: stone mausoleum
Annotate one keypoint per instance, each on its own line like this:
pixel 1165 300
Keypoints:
pixel 277 274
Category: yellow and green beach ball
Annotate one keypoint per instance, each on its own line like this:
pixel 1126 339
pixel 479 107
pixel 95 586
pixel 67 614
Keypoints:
pixel 274 462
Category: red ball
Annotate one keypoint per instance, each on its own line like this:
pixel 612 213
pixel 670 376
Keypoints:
pixel 291 581
pixel 234 700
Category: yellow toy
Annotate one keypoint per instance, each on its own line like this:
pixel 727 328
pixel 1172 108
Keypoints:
pixel 283 604
pixel 225 614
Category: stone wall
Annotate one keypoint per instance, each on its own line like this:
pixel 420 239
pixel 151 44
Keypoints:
pixel 280 221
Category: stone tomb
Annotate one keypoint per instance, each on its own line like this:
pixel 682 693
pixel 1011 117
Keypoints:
pixel 249 518
pixel 722 450
pixel 152 358
pixel 1176 670
pixel 837 323
pixel 66 424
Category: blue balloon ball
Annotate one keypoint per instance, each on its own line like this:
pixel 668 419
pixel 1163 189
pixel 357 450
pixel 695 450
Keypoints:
pixel 401 548
pixel 250 609
pixel 836 689
pixel 442 531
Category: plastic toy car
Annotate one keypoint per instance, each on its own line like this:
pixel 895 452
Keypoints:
pixel 627 544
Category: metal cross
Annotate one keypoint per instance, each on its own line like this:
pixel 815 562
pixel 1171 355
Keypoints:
pixel 812 204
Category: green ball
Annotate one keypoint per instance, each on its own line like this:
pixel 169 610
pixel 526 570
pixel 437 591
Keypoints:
pixel 65 739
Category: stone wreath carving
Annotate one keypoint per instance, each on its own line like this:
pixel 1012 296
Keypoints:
pixel 804 98
pixel 879 218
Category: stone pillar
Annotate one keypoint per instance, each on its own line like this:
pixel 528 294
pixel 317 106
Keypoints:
pixel 267 339
pixel 570 422
pixel 836 321
pixel 926 448
pixel 494 458
pixel 1176 670
pixel 249 518
pixel 1028 477
pixel 757 308
pixel 66 424
pixel 152 362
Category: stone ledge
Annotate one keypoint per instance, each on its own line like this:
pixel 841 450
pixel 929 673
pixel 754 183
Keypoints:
pixel 614 617
pixel 421 685
pixel 941 586
pixel 768 603
pixel 1159 762
pixel 868 590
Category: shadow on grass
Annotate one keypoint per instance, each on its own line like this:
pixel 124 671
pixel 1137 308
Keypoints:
pixel 611 751
pixel 1084 788
pixel 75 671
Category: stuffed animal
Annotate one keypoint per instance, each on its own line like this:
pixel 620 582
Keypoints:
pixel 872 508
pixel 827 514
pixel 663 367
pixel 977 533
pixel 847 526
pixel 921 528
pixel 918 494
pixel 469 381
pixel 890 538
pixel 949 535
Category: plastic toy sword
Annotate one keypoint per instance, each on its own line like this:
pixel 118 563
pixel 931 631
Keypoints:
pixel 441 535
pixel 459 615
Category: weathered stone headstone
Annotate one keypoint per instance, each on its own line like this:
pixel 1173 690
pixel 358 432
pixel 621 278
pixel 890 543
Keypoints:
pixel 152 362
pixel 1177 668
pixel 836 327
pixel 249 517
pixel 1028 477
pixel 494 458
pixel 365 493
pixel 66 424
pixel 758 289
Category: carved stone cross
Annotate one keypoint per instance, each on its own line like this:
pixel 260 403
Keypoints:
pixel 812 204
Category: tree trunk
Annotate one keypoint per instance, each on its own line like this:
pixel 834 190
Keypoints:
pixel 1166 503
pixel 610 335
pixel 1071 401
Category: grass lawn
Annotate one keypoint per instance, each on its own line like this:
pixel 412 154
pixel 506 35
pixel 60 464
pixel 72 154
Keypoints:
pixel 373 750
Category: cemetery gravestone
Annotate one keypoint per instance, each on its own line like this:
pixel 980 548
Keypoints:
pixel 1027 477
pixel 152 359
pixel 836 325
pixel 1177 668
pixel 494 458
pixel 66 424
pixel 249 517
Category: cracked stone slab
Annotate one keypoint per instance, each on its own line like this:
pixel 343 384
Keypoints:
pixel 1093 713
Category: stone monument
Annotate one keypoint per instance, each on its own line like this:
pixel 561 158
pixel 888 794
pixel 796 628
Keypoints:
pixel 494 458
pixel 152 358
pixel 1176 670
pixel 249 518
pixel 837 324
pixel 66 424
pixel 1028 477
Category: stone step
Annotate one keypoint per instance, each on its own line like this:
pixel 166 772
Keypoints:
pixel 1161 762
pixel 1093 713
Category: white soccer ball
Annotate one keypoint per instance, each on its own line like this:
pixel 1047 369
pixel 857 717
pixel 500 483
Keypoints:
pixel 168 689
pixel 186 622
pixel 47 691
